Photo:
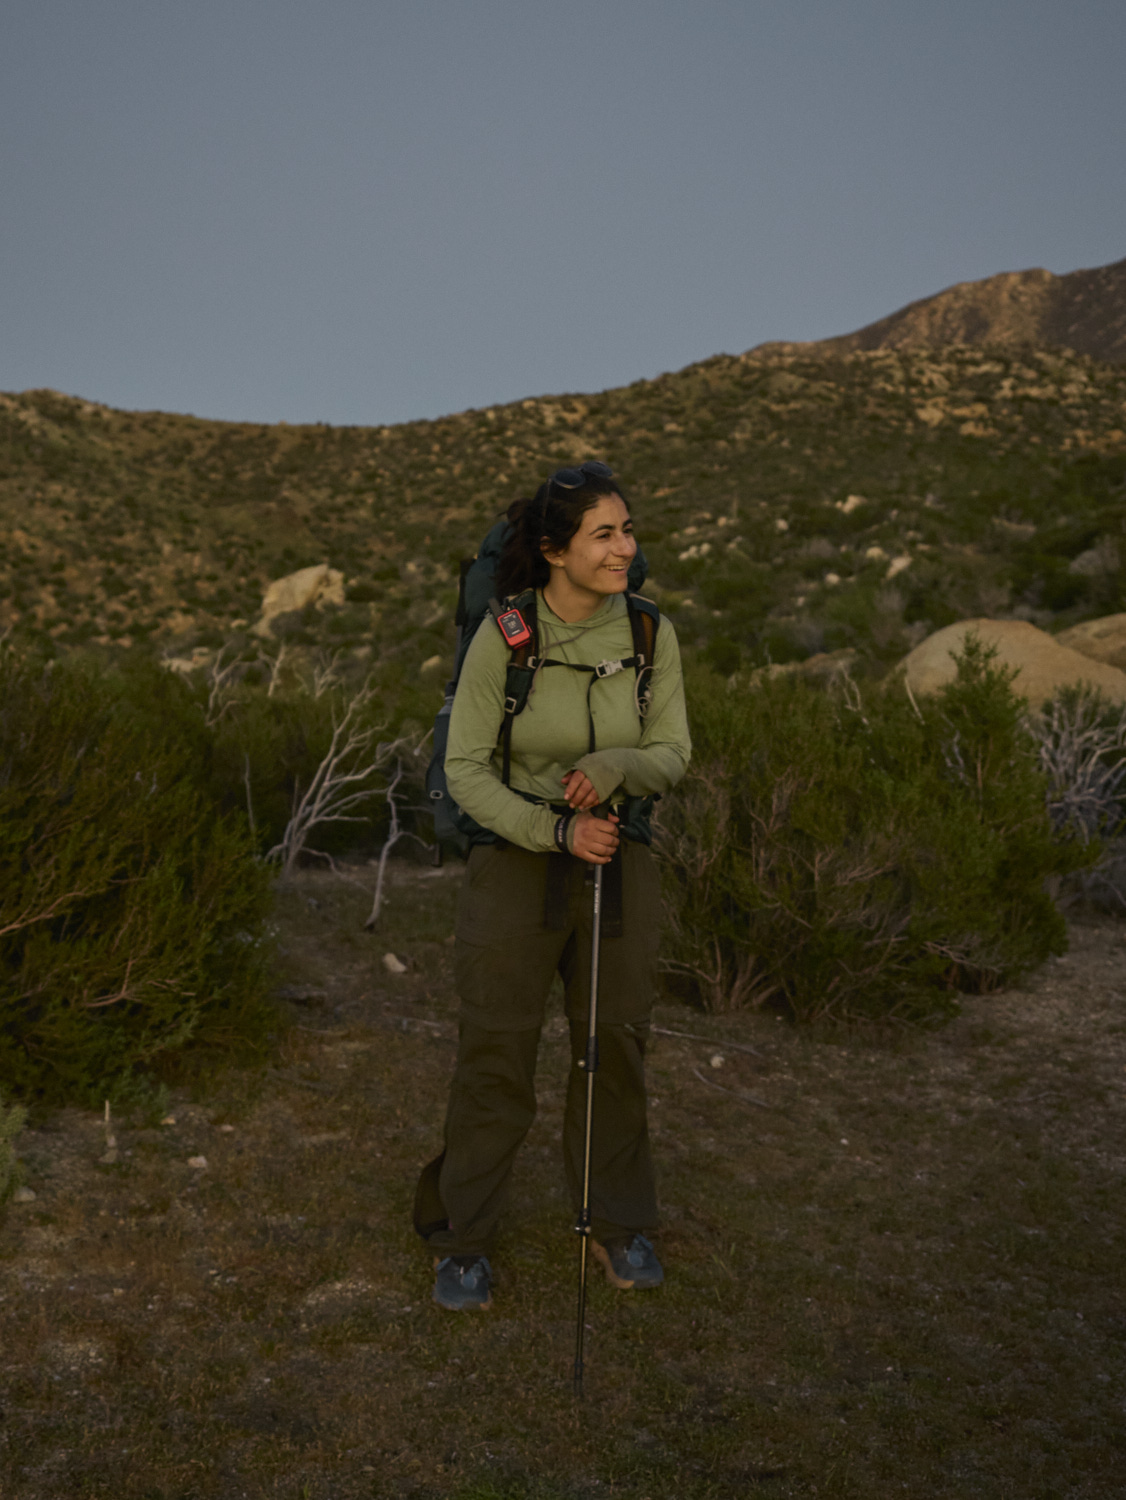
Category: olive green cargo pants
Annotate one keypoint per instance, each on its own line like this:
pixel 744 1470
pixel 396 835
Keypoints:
pixel 506 960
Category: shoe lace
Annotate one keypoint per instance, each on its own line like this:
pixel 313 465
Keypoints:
pixel 466 1264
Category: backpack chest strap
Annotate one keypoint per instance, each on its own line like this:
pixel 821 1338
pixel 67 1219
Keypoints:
pixel 603 669
pixel 519 674
pixel 524 664
pixel 516 696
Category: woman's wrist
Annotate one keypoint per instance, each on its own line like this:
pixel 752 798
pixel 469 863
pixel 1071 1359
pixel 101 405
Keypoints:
pixel 562 826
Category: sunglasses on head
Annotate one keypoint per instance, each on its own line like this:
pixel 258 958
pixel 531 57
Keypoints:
pixel 574 479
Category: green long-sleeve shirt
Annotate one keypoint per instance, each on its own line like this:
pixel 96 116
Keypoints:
pixel 551 735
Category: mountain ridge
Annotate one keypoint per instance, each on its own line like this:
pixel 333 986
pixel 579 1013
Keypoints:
pixel 1084 311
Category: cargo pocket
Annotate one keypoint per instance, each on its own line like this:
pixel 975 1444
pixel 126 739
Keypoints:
pixel 504 959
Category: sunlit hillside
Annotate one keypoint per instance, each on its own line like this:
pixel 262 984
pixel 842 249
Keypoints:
pixel 789 502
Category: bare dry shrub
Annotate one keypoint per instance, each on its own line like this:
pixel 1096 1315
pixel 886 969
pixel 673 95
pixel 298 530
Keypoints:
pixel 343 782
pixel 1081 742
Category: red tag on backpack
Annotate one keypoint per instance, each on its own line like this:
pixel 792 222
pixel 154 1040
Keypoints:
pixel 513 628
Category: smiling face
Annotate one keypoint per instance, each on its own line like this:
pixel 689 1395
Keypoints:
pixel 595 561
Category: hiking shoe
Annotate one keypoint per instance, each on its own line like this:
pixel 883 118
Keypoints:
pixel 464 1283
pixel 631 1262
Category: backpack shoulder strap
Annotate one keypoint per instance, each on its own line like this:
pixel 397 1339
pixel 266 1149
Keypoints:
pixel 528 653
pixel 521 669
pixel 644 618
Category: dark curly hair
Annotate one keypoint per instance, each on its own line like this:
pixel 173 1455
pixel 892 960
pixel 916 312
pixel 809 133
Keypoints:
pixel 551 517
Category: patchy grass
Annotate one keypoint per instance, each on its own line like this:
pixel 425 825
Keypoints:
pixel 894 1260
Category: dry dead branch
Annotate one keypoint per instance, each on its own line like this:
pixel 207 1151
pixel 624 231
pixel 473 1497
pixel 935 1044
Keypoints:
pixel 124 993
pixel 1082 751
pixel 394 834
pixel 276 663
pixel 709 1041
pixel 249 798
pixel 746 1097
pixel 326 672
pixel 28 918
pixel 223 677
pixel 341 784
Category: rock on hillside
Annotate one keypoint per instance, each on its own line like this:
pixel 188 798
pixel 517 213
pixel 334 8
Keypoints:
pixel 1101 640
pixel 319 585
pixel 1084 311
pixel 1042 665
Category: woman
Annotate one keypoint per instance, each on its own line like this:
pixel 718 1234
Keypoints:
pixel 525 911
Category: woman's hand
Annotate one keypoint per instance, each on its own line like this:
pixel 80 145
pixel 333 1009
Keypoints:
pixel 594 839
pixel 580 791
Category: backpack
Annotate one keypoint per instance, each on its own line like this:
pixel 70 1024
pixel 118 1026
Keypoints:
pixel 476 602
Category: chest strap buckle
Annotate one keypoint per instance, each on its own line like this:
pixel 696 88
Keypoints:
pixel 608 668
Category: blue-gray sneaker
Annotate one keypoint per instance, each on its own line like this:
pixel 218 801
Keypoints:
pixel 464 1283
pixel 631 1262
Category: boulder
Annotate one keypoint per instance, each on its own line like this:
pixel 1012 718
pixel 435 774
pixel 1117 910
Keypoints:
pixel 318 585
pixel 1098 560
pixel 1043 666
pixel 822 668
pixel 1101 640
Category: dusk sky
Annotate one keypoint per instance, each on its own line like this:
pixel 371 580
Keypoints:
pixel 366 212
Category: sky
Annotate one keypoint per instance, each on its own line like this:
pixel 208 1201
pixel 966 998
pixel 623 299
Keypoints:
pixel 364 213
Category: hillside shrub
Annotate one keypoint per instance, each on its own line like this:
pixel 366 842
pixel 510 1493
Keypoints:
pixel 854 855
pixel 131 907
pixel 1081 743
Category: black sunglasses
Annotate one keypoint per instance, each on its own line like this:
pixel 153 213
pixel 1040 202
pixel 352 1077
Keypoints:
pixel 574 479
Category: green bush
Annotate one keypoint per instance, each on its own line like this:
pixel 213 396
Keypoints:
pixel 855 855
pixel 131 907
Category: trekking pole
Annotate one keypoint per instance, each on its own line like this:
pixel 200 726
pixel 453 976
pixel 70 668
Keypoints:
pixel 589 1063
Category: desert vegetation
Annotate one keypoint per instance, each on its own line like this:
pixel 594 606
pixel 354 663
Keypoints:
pixel 132 909
pixel 841 853
pixel 201 937
pixel 790 502
pixel 145 816
pixel 855 853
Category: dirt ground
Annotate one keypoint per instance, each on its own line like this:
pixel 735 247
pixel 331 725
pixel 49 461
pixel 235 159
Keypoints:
pixel 894 1259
